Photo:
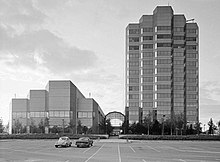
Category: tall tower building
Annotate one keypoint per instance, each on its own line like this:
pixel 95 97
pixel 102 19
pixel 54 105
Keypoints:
pixel 162 67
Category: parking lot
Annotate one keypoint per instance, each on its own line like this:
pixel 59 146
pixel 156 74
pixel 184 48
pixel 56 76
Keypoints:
pixel 110 150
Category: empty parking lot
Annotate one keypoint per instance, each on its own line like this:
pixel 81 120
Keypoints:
pixel 110 151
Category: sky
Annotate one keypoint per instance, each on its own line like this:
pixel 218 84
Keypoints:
pixel 84 41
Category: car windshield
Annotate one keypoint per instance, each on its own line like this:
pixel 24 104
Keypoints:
pixel 63 138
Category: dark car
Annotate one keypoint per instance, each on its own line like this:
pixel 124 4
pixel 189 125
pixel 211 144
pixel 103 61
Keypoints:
pixel 63 142
pixel 84 142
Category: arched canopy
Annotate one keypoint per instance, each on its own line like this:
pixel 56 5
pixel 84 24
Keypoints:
pixel 116 118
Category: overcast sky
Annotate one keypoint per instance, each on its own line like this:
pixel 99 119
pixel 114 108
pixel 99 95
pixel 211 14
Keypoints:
pixel 84 41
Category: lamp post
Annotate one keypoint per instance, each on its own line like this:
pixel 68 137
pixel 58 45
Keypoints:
pixel 63 125
pixel 163 124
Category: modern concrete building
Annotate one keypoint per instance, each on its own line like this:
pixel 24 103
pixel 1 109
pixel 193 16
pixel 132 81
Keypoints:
pixel 162 67
pixel 61 104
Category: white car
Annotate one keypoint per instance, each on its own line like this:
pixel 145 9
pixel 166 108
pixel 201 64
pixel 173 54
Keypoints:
pixel 63 142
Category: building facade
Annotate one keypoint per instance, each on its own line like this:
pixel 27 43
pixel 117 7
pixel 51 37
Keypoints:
pixel 162 67
pixel 61 105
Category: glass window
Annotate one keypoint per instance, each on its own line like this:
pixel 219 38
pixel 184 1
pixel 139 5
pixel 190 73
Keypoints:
pixel 176 54
pixel 163 36
pixel 148 87
pixel 133 72
pixel 147 79
pixel 191 31
pixel 131 48
pixel 178 87
pixel 159 28
pixel 147 46
pixel 149 29
pixel 178 46
pixel 178 62
pixel 148 71
pixel 163 53
pixel 148 104
pixel 133 88
pixel 178 29
pixel 178 37
pixel 190 38
pixel 133 96
pixel 133 104
pixel 163 95
pixel 164 44
pixel 147 54
pixel 145 38
pixel 163 103
pixel 163 70
pixel 191 47
pixel 164 61
pixel 163 86
pixel 147 96
pixel 178 79
pixel 133 63
pixel 147 62
pixel 163 78
pixel 133 39
pixel 133 80
pixel 133 31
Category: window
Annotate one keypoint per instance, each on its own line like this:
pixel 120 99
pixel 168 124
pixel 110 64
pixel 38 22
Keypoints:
pixel 191 71
pixel 163 103
pixel 178 37
pixel 178 87
pixel 148 71
pixel 178 79
pixel 145 38
pixel 159 28
pixel 191 96
pixel 178 46
pixel 147 96
pixel 133 88
pixel 148 87
pixel 178 95
pixel 178 71
pixel 133 55
pixel 149 29
pixel 133 31
pixel 191 47
pixel 84 114
pixel 131 48
pixel 147 54
pixel 133 80
pixel 191 88
pixel 190 38
pixel 191 63
pixel 163 44
pixel 134 39
pixel 178 62
pixel 163 36
pixel 133 104
pixel 178 54
pixel 163 95
pixel 191 31
pixel 133 96
pixel 163 70
pixel 133 72
pixel 178 104
pixel 191 80
pixel 147 62
pixel 147 104
pixel 178 29
pixel 163 86
pixel 133 112
pixel 147 79
pixel 163 78
pixel 147 46
pixel 133 63
pixel 163 53
pixel 191 55
pixel 164 61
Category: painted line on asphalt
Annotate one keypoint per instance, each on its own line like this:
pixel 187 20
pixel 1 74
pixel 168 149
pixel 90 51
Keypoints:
pixel 132 149
pixel 144 160
pixel 119 154
pixel 181 160
pixel 87 149
pixel 197 151
pixel 94 153
pixel 153 148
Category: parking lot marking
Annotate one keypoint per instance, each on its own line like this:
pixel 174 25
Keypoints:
pixel 144 160
pixel 153 149
pixel 94 153
pixel 87 149
pixel 119 154
pixel 132 149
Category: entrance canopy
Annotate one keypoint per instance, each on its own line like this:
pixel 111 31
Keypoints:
pixel 116 118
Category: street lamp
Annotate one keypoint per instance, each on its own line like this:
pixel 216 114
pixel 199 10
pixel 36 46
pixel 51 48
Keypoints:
pixel 163 124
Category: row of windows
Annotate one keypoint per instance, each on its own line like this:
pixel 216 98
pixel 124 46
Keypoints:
pixel 163 86
pixel 191 55
pixel 85 114
pixel 191 96
pixel 191 47
pixel 133 63
pixel 178 87
pixel 160 28
pixel 147 79
pixel 148 62
pixel 180 70
pixel 148 71
pixel 150 46
pixel 191 112
pixel 133 112
pixel 163 53
pixel 148 87
pixel 59 113
pixel 131 48
pixel 163 103
pixel 163 78
pixel 133 88
pixel 133 104
pixel 163 95
pixel 147 46
pixel 133 72
pixel 134 55
pixel 164 61
pixel 164 44
pixel 162 36
pixel 147 54
pixel 133 96
pixel 163 70
pixel 147 96
pixel 37 114
pixel 178 79
pixel 178 54
pixel 147 104
pixel 133 80
pixel 19 115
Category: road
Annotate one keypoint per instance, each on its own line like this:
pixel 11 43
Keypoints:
pixel 110 150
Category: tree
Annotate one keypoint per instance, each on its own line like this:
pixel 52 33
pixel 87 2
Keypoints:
pixel 147 122
pixel 198 127
pixel 79 127
pixel 41 126
pixel 33 127
pixel 218 124
pixel 212 127
pixel 156 129
pixel 1 126
pixel 84 129
pixel 72 126
pixel 109 127
pixel 178 122
pixel 17 126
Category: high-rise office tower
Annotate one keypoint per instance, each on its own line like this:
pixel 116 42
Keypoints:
pixel 162 67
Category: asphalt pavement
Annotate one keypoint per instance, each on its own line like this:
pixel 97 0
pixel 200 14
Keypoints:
pixel 110 150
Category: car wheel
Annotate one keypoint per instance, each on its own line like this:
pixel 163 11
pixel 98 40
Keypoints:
pixel 56 146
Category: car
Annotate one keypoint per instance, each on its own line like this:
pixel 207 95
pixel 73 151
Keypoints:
pixel 63 142
pixel 84 142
